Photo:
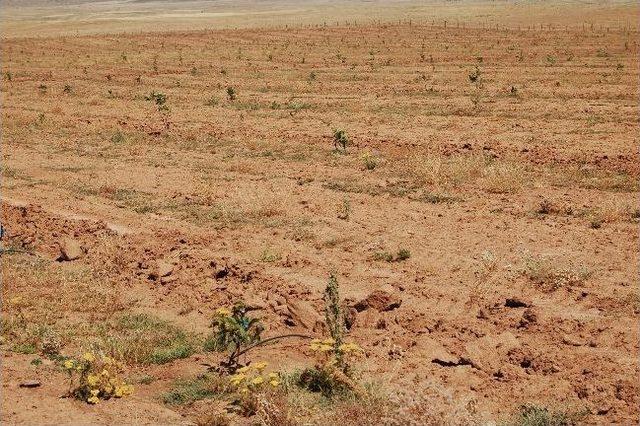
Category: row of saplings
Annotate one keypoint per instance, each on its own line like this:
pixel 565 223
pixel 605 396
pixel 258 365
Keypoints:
pixel 95 377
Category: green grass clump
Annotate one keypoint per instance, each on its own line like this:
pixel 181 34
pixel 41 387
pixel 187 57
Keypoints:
pixel 402 254
pixel 534 415
pixel 202 387
pixel 143 339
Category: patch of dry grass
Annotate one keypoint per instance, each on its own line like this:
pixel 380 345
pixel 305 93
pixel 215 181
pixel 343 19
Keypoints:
pixel 552 274
pixel 44 300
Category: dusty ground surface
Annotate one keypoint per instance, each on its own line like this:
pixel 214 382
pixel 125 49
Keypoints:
pixel 28 18
pixel 516 195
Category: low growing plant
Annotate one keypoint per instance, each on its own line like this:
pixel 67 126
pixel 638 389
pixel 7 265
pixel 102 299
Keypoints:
pixel 95 377
pixel 340 140
pixel 333 372
pixel 251 382
pixel 237 333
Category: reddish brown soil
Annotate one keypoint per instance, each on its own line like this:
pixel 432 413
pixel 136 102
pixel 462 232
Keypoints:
pixel 247 199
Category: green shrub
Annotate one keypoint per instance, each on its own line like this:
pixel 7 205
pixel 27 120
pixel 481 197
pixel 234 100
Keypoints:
pixel 231 93
pixel 340 139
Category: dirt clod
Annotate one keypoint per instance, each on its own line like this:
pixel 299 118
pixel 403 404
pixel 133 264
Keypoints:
pixel 383 299
pixel 70 249
pixel 162 269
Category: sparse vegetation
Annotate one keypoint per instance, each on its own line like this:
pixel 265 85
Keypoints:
pixel 340 140
pixel 344 211
pixel 231 93
pixel 150 178
pixel 143 339
pixel 551 275
pixel 402 254
pixel 369 160
pixel 118 137
pixel 95 377
pixel 534 415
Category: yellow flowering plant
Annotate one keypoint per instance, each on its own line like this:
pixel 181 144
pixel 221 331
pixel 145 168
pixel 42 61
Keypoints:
pixel 94 377
pixel 333 372
pixel 249 382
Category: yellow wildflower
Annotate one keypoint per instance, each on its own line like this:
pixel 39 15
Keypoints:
pixel 257 381
pixel 236 379
pixel 274 383
pixel 89 357
pixel 94 392
pixel 242 370
pixel 260 366
pixel 129 389
pixel 223 312
pixel 273 375
pixel 105 372
pixel 68 364
pixel 349 347
pixel 119 392
pixel 92 380
pixel 93 400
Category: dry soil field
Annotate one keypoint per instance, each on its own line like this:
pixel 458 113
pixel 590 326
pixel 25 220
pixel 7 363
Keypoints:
pixel 482 223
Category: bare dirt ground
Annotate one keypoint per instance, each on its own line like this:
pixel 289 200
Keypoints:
pixel 505 161
pixel 29 18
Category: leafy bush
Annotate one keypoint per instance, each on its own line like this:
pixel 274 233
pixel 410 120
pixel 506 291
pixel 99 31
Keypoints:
pixel 212 101
pixel 231 93
pixel 344 211
pixel 340 139
pixel 117 137
pixel 403 254
pixel 160 99
pixel 474 76
pixel 233 331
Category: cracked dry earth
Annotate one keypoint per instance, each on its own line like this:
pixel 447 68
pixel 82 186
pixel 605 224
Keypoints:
pixel 518 206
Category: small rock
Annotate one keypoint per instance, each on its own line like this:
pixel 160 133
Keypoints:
pixel 515 302
pixel 370 318
pixel 303 314
pixel 168 280
pixel 573 341
pixel 30 384
pixel 383 299
pixel 221 272
pixel 255 304
pixel 70 249
pixel 162 269
pixel 529 317
pixel 282 310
